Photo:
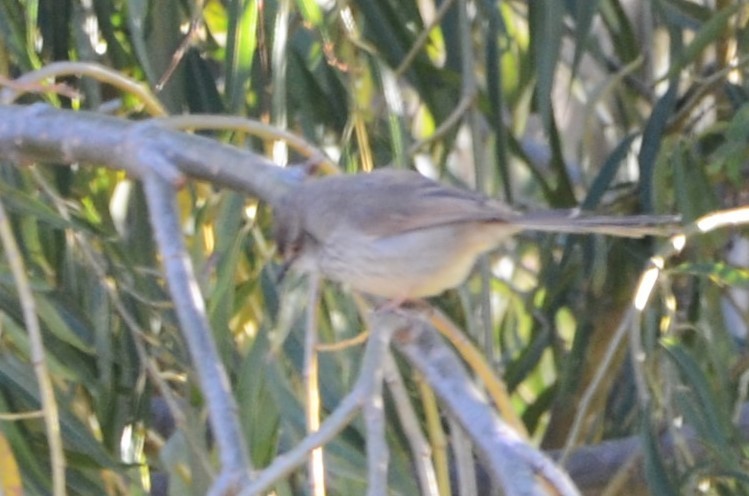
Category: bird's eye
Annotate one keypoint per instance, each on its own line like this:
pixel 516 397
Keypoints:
pixel 294 248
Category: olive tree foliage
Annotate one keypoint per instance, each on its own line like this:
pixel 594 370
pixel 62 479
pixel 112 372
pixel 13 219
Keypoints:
pixel 632 351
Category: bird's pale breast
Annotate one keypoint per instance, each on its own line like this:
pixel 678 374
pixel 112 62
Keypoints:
pixel 415 264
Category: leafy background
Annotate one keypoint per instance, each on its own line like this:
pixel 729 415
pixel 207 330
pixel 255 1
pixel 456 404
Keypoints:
pixel 618 106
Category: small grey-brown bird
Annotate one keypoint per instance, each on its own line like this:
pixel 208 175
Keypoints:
pixel 399 235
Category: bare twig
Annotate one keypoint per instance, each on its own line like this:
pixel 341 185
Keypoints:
pixel 513 463
pixel 378 454
pixel 648 280
pixel 138 335
pixel 315 465
pixel 40 132
pixel 420 450
pixel 465 466
pixel 255 128
pixel 463 106
pixel 101 73
pixel 437 436
pixel 190 309
pixel 422 38
pixel 383 326
pixel 46 390
pixel 12 417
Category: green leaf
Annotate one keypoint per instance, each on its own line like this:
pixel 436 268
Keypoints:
pixel 712 31
pixel 707 419
pixel 583 12
pixel 718 272
pixel 61 319
pixel 311 12
pixel 22 203
pixel 692 187
pixel 137 18
pixel 79 441
pixel 240 50
pixel 652 137
pixel 34 468
pixel 258 411
pixel 546 18
pixel 623 38
pixel 656 472
pixel 607 173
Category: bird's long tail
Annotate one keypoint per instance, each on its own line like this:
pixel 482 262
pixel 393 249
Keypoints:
pixel 576 222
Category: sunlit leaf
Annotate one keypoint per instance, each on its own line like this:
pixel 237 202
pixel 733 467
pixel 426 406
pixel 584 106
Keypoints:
pixel 718 272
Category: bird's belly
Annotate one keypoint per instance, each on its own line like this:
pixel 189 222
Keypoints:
pixel 409 265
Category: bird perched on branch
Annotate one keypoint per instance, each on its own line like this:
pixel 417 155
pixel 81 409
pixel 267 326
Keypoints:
pixel 399 235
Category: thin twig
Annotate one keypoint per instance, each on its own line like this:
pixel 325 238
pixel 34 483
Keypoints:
pixel 190 309
pixel 378 454
pixel 590 392
pixel 254 128
pixel 284 464
pixel 465 466
pixel 91 69
pixel 343 343
pixel 179 53
pixel 46 389
pixel 315 465
pixel 422 38
pixel 12 417
pixel 436 433
pixel 463 106
pixel 131 323
pixel 420 450
pixel 648 280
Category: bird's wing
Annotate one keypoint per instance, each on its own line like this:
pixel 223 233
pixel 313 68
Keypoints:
pixel 389 202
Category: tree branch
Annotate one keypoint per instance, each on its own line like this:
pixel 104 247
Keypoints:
pixel 40 132
pixel 190 309
pixel 513 463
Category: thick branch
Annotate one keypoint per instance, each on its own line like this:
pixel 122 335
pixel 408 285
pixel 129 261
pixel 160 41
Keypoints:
pixel 40 132
pixel 513 463
pixel 594 467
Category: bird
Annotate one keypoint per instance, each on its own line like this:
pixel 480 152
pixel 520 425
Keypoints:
pixel 396 234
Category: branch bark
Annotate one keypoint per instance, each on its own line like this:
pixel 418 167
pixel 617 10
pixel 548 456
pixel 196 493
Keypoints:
pixel 161 159
pixel 513 463
pixel 593 468
pixel 43 133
